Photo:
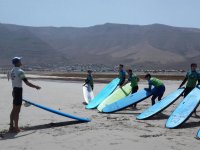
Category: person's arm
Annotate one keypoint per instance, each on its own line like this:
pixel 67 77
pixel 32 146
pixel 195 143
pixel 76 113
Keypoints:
pixel 198 79
pixel 184 81
pixel 120 80
pixel 198 82
pixel 138 79
pixel 86 81
pixel 30 84
pixel 127 82
pixel 149 88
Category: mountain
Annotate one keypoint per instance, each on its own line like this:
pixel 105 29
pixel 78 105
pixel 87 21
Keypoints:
pixel 149 46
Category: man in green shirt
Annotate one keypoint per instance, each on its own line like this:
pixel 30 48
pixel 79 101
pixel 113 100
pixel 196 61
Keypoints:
pixel 158 90
pixel 133 79
pixel 191 77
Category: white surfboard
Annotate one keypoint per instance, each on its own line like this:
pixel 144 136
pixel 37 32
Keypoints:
pixel 87 93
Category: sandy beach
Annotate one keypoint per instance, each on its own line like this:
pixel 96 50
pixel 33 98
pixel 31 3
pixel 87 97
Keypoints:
pixel 117 131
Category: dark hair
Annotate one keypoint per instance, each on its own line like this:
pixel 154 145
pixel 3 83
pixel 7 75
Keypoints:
pixel 130 70
pixel 148 76
pixel 121 65
pixel 89 71
pixel 193 64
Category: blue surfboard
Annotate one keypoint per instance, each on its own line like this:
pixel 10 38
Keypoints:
pixel 127 101
pixel 58 112
pixel 198 134
pixel 185 109
pixel 161 105
pixel 105 92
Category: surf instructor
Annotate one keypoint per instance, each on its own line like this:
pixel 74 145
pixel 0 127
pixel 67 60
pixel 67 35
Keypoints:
pixel 17 75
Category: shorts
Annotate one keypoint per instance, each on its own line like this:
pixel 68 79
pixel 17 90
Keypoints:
pixel 134 89
pixel 158 91
pixel 17 96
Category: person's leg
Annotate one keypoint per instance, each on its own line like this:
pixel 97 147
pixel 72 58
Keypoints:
pixel 134 90
pixel 12 119
pixel 16 117
pixel 153 99
pixel 11 128
pixel 161 92
pixel 17 102
pixel 186 92
pixel 155 95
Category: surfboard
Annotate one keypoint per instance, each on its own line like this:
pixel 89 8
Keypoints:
pixel 116 95
pixel 185 109
pixel 198 134
pixel 127 101
pixel 87 93
pixel 161 105
pixel 58 112
pixel 105 92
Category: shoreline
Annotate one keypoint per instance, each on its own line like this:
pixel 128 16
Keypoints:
pixel 98 77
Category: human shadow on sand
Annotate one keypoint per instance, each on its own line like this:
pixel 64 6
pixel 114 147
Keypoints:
pixel 11 135
pixel 4 135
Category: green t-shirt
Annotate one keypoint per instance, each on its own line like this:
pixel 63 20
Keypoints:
pixel 193 77
pixel 155 82
pixel 134 80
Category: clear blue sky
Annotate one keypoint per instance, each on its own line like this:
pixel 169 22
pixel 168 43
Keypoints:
pixel 83 13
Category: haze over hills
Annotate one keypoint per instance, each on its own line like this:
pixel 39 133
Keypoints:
pixel 150 46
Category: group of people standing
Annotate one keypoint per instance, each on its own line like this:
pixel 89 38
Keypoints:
pixel 17 75
pixel 156 86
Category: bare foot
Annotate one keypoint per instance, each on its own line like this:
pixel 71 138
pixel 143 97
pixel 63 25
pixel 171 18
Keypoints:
pixel 11 129
pixel 17 130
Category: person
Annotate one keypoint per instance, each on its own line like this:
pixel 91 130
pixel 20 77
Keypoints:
pixel 17 75
pixel 158 90
pixel 133 79
pixel 191 78
pixel 122 75
pixel 89 79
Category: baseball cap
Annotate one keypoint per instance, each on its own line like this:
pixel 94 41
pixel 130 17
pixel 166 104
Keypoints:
pixel 16 60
